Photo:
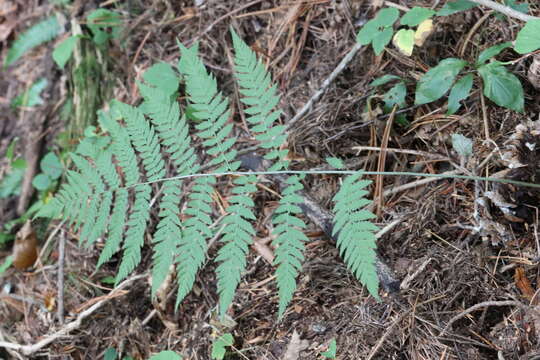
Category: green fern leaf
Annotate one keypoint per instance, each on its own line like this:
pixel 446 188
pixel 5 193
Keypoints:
pixel 355 233
pixel 38 34
pixel 289 242
pixel 261 98
pixel 238 233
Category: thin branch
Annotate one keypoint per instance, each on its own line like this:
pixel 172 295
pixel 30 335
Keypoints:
pixel 505 10
pixel 30 349
pixel 326 83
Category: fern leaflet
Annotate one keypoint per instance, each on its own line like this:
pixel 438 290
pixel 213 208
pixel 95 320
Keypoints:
pixel 355 233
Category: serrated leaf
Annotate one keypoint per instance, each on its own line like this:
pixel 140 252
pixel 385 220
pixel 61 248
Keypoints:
pixel 416 15
pixel 492 51
pixel 404 41
pixel 453 7
pixel 460 91
pixel 335 162
pixel 31 96
pixel 422 33
pixel 383 80
pixel 462 145
pixel 527 39
pixel 438 80
pixel 502 87
pixel 62 52
pixel 38 34
pixel 163 77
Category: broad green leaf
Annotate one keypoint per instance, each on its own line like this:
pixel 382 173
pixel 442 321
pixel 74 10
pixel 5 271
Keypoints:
pixel 460 91
pixel 104 25
pixel 491 52
pixel 367 33
pixel 166 355
pixel 395 96
pixel 378 30
pixel 404 41
pixel 335 162
pixel 110 354
pixel 162 76
pixel 218 347
pixel 528 38
pixel 383 80
pixel 387 17
pixel 41 182
pixel 51 166
pixel 416 15
pixel 41 32
pixel 453 7
pixel 6 264
pixel 502 87
pixel 332 349
pixel 31 96
pixel 381 40
pixel 62 52
pixel 462 145
pixel 438 80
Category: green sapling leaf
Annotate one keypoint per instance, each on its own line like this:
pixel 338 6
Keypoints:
pixel 62 52
pixel 462 145
pixel 335 162
pixel 332 349
pixel 438 80
pixel 416 15
pixel 166 355
pixel 460 91
pixel 404 41
pixel 163 77
pixel 527 39
pixel 453 7
pixel 51 166
pixel 395 96
pixel 501 86
pixel 383 80
pixel 491 52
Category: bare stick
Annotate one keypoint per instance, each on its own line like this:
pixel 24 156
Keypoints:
pixel 61 258
pixel 484 304
pixel 505 10
pixel 30 349
pixel 339 68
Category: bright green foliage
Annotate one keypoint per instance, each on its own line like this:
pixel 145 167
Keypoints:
pixel 527 39
pixel 166 355
pixel 452 7
pixel 491 52
pixel 219 346
pixel 110 192
pixel 356 238
pixel 459 91
pixel 332 349
pixel 501 86
pixel 38 34
pixel 379 31
pixel 289 242
pixel 62 52
pixel 416 15
pixel 104 25
pixel 31 97
pixel 438 80
pixel 261 99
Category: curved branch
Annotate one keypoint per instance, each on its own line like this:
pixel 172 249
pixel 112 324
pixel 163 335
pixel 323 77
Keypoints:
pixel 508 11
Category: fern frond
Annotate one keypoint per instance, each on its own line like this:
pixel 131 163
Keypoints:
pixel 39 33
pixel 211 107
pixel 261 98
pixel 355 233
pixel 289 242
pixel 116 227
pixel 238 233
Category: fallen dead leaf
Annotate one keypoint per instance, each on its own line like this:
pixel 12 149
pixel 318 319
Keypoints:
pixel 295 347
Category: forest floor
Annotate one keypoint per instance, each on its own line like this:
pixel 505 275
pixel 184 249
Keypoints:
pixel 451 245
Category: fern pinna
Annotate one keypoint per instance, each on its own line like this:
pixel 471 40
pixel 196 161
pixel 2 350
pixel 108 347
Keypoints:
pixel 139 144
